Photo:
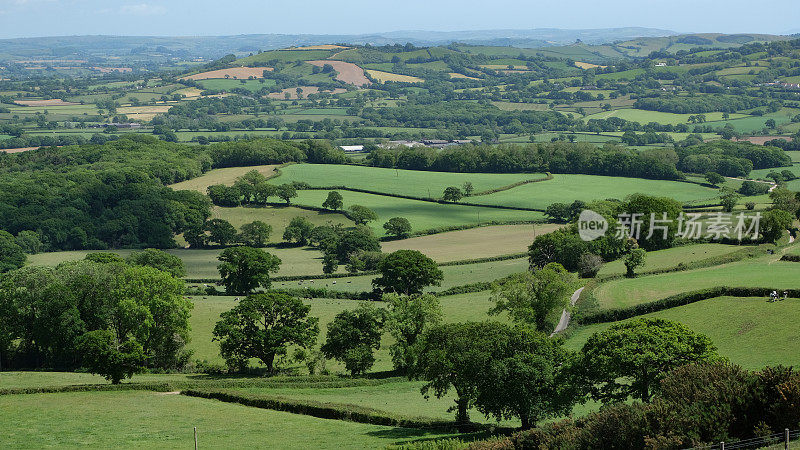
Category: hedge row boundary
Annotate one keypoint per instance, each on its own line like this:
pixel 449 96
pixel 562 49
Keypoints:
pixel 685 298
pixel 336 411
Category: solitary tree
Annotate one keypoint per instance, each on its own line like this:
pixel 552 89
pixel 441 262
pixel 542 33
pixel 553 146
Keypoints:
pixel 115 361
pixel 630 358
pixel 399 227
pixel 361 214
pixel 334 201
pixel 454 356
pixel 467 188
pixel 530 297
pixel 526 378
pixel 452 194
pixel 714 178
pixel 255 233
pixel 407 272
pixel 408 317
pixel 353 336
pixel 261 326
pixel 243 269
pixel 635 258
pixel 729 200
pixel 774 223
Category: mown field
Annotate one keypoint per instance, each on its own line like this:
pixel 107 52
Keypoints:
pixel 225 176
pixel 156 420
pixel 644 116
pixel 749 331
pixel 480 242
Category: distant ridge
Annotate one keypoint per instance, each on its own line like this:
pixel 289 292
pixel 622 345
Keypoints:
pixel 216 46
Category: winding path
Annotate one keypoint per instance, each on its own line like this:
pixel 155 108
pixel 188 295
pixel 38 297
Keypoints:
pixel 565 316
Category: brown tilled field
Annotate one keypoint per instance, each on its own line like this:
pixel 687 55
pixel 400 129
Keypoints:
pixel 241 73
pixel 306 90
pixel 51 102
pixel 348 72
pixel 761 140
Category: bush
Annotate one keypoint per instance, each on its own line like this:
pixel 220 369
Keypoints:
pixel 589 265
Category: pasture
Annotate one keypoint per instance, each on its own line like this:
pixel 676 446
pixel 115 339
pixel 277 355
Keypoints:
pixel 480 242
pixel 671 257
pixel 241 73
pixel 395 181
pixel 226 175
pixel 643 116
pixel 765 271
pixel 423 215
pixel 229 85
pixel 151 419
pixel 749 331
pixel 565 188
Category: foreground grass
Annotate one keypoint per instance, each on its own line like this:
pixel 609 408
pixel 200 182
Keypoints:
pixel 148 419
pixel 749 331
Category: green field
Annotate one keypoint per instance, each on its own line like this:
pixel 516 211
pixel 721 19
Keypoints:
pixel 455 308
pixel 566 188
pixel 228 85
pixel 391 181
pixel 764 271
pixel 225 176
pixel 453 276
pixel 202 263
pixel 156 420
pixel 671 257
pixel 644 116
pixel 750 331
pixel 422 215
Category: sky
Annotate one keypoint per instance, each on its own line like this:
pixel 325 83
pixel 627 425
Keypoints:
pixel 32 18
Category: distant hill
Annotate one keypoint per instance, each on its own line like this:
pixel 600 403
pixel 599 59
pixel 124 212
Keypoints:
pixel 217 46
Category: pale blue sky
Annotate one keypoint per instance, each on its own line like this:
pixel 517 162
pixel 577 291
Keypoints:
pixel 25 18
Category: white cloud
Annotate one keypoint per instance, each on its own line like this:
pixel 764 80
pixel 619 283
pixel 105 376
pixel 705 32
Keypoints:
pixel 143 9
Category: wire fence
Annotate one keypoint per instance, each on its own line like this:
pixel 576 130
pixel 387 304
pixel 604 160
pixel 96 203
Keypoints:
pixel 785 440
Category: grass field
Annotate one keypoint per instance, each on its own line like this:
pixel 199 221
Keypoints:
pixel 156 420
pixel 455 308
pixel 229 85
pixel 276 216
pixel 422 215
pixel 391 181
pixel 671 257
pixel 481 242
pixel 566 188
pixel 750 331
pixel 202 263
pixel 453 276
pixel 644 116
pixel 225 176
pixel 764 271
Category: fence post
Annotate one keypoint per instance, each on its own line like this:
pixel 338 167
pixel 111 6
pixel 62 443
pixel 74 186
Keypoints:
pixel 722 445
pixel 195 438
pixel 786 439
